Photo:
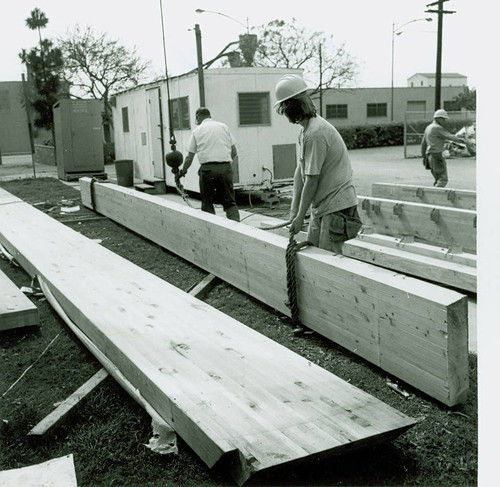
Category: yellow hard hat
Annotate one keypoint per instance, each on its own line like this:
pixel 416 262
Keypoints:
pixel 289 86
pixel 440 114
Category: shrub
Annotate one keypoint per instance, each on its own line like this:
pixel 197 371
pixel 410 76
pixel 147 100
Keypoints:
pixel 109 152
pixel 362 136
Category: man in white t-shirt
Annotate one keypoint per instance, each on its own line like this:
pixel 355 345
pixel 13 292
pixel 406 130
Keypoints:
pixel 323 176
pixel 214 145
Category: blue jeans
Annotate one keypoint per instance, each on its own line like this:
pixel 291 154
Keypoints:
pixel 216 186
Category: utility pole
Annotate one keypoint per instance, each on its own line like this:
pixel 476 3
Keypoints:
pixel 201 80
pixel 440 12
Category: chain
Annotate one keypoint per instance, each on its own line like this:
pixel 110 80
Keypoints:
pixel 180 189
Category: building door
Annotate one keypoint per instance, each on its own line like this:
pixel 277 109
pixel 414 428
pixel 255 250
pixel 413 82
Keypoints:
pixel 156 132
pixel 284 160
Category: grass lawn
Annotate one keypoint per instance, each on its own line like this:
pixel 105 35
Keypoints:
pixel 108 431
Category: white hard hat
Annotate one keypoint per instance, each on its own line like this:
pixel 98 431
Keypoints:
pixel 441 114
pixel 289 86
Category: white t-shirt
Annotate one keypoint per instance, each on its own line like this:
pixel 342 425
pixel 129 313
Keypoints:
pixel 211 141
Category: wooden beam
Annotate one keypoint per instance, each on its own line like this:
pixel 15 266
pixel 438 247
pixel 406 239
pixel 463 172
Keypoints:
pixel 408 244
pixel 16 309
pixel 237 398
pixel 454 198
pixel 414 330
pixel 58 472
pixel 437 225
pixel 52 420
pixel 441 272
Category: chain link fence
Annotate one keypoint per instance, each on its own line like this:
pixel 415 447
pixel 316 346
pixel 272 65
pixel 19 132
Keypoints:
pixel 415 123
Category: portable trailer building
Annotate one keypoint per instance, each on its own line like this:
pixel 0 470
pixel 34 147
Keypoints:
pixel 243 98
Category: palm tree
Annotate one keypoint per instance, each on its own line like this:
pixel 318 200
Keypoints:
pixel 38 21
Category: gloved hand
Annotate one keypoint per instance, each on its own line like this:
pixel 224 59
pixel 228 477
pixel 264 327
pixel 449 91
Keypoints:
pixel 182 173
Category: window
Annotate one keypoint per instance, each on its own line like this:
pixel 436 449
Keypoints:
pixel 180 113
pixel 376 110
pixel 336 111
pixel 449 106
pixel 415 106
pixel 254 109
pixel 125 119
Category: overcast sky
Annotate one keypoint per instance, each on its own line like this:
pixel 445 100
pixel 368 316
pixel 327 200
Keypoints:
pixel 365 26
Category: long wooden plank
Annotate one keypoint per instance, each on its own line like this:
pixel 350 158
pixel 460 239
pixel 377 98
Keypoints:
pixel 430 195
pixel 437 225
pixel 58 472
pixel 232 394
pixel 16 309
pixel 369 310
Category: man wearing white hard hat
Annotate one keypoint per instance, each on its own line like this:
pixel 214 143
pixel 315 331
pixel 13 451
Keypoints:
pixel 323 176
pixel 432 147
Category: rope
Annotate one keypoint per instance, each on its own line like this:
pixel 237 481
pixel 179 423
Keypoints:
pixel 291 282
pixel 92 193
pixel 8 256
pixel 280 225
pixel 92 190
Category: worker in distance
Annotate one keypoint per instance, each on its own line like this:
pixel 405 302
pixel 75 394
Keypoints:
pixel 215 146
pixel 323 175
pixel 432 147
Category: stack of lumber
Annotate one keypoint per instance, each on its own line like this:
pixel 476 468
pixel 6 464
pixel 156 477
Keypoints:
pixel 237 398
pixel 425 232
pixel 414 330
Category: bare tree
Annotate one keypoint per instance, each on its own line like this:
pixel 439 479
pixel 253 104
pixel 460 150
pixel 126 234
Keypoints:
pixel 98 66
pixel 289 45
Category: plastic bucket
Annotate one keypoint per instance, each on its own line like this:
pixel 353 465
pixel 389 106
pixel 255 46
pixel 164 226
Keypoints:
pixel 125 172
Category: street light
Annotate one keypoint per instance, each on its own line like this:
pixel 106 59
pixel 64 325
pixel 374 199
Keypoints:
pixel 396 31
pixel 201 11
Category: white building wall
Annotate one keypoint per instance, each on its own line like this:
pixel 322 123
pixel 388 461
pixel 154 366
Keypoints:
pixel 130 145
pixel 222 86
pixel 357 100
pixel 419 80
pixel 254 143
